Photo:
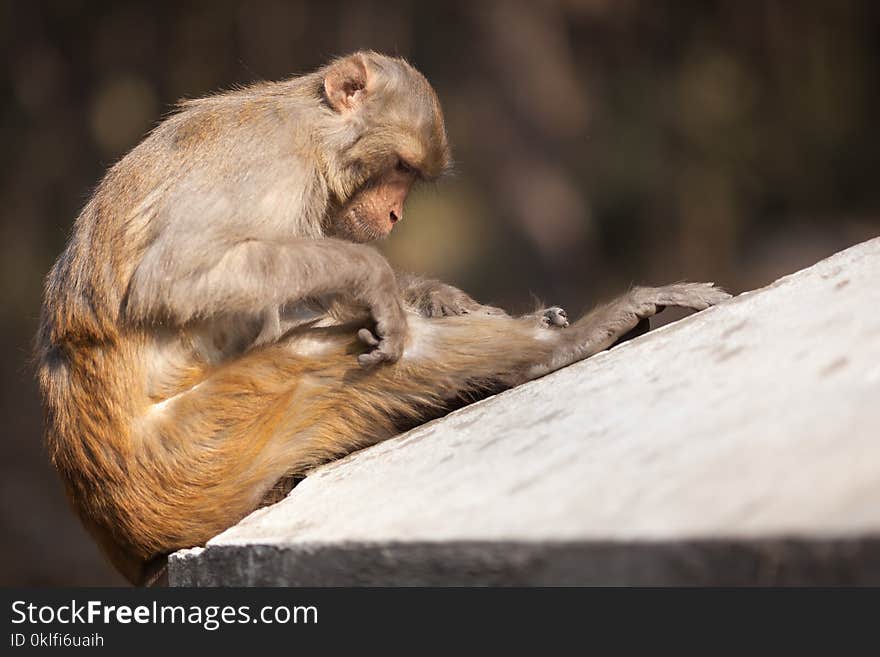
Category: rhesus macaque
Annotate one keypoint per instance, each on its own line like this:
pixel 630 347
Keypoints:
pixel 216 323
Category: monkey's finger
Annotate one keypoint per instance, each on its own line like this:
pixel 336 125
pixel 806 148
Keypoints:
pixel 366 336
pixel 371 359
pixel 390 353
pixel 375 357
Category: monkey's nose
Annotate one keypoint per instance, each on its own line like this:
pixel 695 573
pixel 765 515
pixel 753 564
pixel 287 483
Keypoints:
pixel 394 217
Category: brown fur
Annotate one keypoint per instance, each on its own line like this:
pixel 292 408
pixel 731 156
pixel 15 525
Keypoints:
pixel 198 340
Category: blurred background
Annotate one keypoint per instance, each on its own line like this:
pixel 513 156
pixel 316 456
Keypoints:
pixel 598 143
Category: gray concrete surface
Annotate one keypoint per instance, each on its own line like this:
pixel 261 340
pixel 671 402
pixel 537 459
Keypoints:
pixel 740 445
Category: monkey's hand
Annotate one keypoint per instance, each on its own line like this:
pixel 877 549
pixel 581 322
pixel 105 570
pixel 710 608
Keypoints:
pixel 377 289
pixel 388 338
pixel 382 350
pixel 553 317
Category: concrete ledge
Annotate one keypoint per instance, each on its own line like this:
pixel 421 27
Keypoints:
pixel 763 562
pixel 738 446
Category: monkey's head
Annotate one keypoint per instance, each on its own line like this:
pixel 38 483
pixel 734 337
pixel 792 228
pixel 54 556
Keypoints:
pixel 385 132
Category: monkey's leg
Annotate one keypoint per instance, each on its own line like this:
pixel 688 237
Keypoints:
pixel 528 354
pixel 641 328
pixel 602 327
pixel 473 351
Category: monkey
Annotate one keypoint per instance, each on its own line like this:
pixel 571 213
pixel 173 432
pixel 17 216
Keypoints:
pixel 218 321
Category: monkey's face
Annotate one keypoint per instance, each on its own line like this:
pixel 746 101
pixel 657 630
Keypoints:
pixel 395 135
pixel 372 212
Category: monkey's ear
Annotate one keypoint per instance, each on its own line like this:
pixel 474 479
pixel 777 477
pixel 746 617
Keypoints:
pixel 345 83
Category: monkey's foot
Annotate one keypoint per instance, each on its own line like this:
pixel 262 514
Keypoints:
pixel 448 301
pixel 648 301
pixel 553 317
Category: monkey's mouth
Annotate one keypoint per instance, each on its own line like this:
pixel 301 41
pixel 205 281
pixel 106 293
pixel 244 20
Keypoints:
pixel 368 228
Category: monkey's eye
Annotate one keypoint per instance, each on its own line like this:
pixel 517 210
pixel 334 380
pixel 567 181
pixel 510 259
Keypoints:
pixel 404 167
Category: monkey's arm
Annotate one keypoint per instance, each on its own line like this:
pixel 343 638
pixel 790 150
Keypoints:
pixel 253 275
pixel 433 298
